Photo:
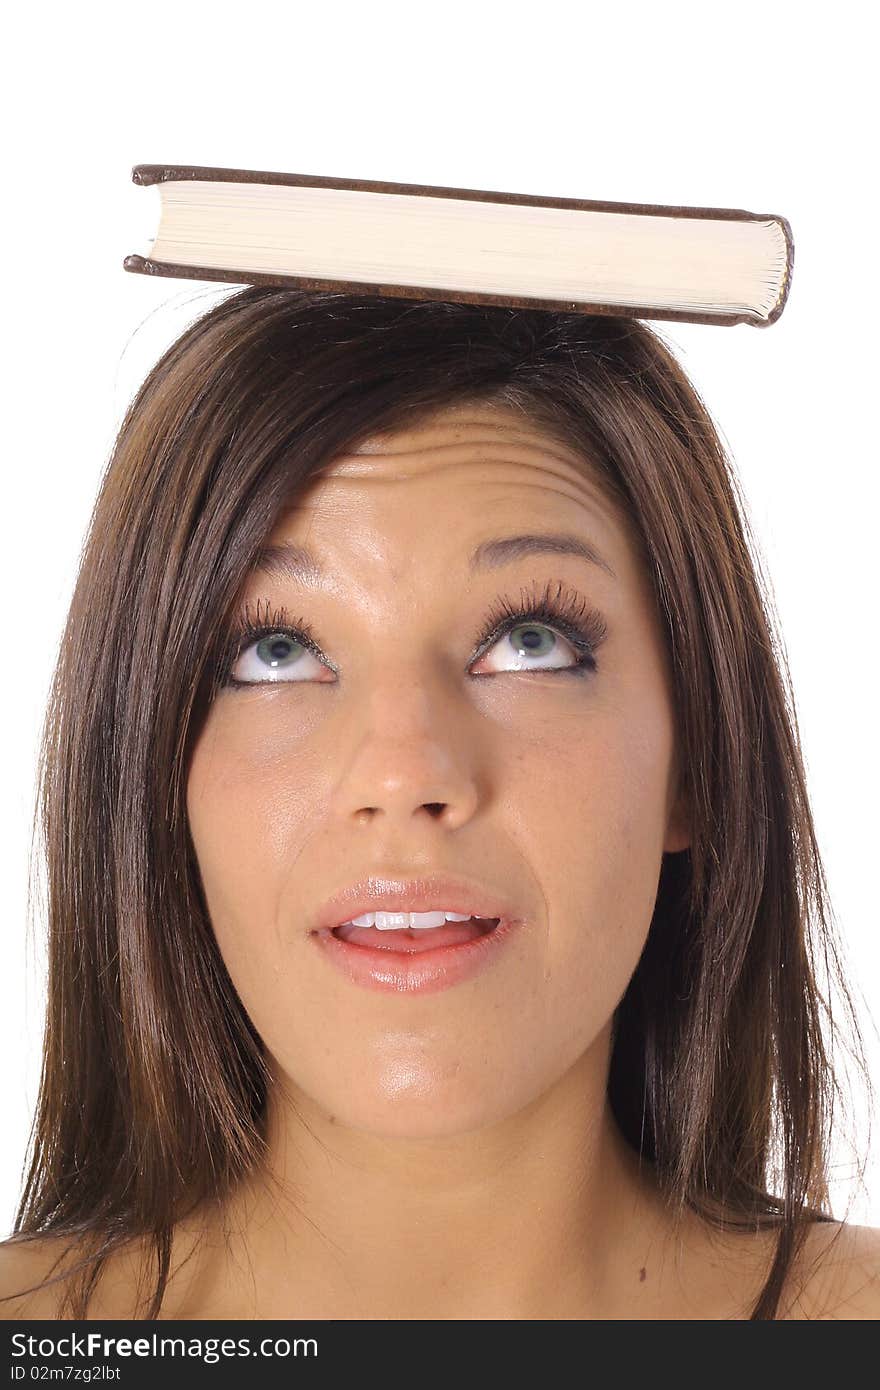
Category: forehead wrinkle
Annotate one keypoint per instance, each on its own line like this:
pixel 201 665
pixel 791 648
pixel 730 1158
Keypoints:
pixel 573 485
pixel 290 558
pixel 360 462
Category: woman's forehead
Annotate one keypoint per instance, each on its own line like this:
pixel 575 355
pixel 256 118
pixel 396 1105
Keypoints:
pixel 483 428
pixel 453 483
pixel 450 467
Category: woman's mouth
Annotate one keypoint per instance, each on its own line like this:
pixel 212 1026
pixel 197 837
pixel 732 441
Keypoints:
pixel 409 959
pixel 413 933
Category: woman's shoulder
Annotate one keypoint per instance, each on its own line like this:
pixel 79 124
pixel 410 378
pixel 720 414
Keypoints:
pixel 837 1274
pixel 25 1265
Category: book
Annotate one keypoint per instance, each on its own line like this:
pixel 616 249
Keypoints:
pixel 416 241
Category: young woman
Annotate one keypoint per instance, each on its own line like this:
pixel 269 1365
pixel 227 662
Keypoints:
pixel 388 608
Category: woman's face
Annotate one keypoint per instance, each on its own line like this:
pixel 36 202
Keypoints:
pixel 556 788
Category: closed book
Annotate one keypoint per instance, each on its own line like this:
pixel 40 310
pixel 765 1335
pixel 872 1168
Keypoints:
pixel 417 241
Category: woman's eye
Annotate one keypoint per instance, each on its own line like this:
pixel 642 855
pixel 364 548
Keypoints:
pixel 280 658
pixel 277 657
pixel 533 646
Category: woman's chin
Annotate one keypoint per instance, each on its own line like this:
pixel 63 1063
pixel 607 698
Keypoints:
pixel 420 1110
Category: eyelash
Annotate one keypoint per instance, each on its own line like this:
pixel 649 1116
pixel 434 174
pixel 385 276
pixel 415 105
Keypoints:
pixel 565 611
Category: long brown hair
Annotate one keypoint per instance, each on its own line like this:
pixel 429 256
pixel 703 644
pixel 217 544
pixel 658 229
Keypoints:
pixel 153 1089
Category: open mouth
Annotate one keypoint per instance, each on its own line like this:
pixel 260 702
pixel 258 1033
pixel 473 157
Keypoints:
pixel 413 959
pixel 414 940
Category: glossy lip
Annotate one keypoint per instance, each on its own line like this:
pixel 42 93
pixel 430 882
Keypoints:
pixel 407 972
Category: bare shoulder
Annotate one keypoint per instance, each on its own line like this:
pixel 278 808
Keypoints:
pixel 838 1274
pixel 36 1273
pixel 25 1265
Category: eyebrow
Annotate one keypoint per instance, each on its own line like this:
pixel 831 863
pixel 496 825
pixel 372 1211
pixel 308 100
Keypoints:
pixel 503 550
pixel 296 562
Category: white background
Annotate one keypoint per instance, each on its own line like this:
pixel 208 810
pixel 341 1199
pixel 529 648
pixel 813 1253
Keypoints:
pixel 764 107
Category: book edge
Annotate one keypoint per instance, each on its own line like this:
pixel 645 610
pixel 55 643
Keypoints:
pixel 144 265
pixel 149 174
pixel 787 274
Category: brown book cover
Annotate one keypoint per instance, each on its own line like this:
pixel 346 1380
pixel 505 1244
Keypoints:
pixel 149 174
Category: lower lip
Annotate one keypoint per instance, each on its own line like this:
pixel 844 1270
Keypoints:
pixel 415 972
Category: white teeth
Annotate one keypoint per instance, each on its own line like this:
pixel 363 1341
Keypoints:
pixel 399 921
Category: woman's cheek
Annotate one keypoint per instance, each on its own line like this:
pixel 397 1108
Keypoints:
pixel 606 858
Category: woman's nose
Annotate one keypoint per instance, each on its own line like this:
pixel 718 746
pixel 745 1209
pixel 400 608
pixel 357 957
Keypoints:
pixel 407 759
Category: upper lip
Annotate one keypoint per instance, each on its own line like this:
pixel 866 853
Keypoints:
pixel 430 892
